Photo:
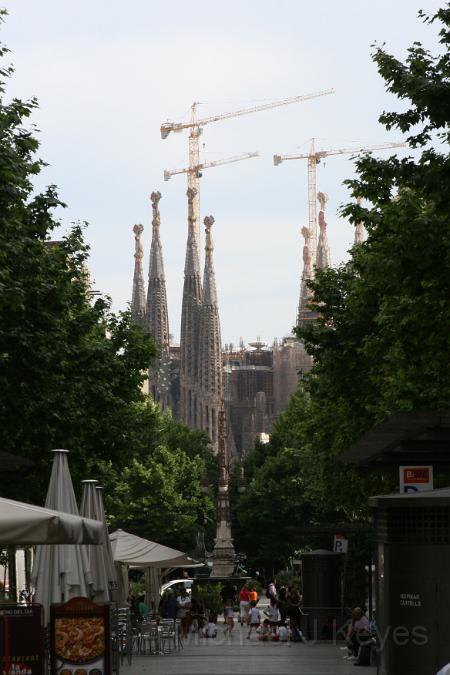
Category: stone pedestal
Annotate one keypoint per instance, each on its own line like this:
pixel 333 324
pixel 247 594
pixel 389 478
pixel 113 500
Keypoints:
pixel 223 555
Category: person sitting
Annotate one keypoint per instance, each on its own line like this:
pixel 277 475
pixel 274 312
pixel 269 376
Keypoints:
pixel 142 608
pixel 358 634
pixel 283 633
pixel 264 631
pixel 211 628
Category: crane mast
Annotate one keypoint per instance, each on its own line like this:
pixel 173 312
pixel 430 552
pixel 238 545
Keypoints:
pixel 312 200
pixel 195 126
pixel 194 160
pixel 313 159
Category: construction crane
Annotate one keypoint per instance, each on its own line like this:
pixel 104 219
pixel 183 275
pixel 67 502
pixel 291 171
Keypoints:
pixel 206 165
pixel 195 126
pixel 314 158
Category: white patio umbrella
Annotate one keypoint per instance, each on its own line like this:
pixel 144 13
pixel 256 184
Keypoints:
pixel 60 572
pixel 100 559
pixel 25 524
pixel 132 550
pixel 138 552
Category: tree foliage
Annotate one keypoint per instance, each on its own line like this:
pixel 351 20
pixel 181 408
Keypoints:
pixel 71 371
pixel 382 340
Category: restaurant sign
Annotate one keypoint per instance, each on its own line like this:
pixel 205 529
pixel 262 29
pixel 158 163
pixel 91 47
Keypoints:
pixel 80 638
pixel 22 639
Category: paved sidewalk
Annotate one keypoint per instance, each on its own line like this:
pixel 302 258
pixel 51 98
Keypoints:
pixel 239 656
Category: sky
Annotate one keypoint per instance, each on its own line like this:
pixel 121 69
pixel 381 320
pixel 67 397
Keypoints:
pixel 108 73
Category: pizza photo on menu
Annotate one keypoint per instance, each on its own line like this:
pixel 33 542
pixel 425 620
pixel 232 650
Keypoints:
pixel 78 639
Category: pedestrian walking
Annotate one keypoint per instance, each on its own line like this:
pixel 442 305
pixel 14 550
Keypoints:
pixel 273 615
pixel 244 604
pixel 255 619
pixel 229 617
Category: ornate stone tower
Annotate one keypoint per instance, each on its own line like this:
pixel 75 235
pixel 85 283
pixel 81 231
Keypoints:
pixel 360 232
pixel 138 295
pixel 304 313
pixel 156 319
pixel 323 248
pixel 223 556
pixel 210 366
pixel 190 320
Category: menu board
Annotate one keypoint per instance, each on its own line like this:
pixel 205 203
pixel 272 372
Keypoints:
pixel 80 638
pixel 22 639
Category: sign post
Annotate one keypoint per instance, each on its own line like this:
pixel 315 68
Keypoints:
pixel 340 544
pixel 416 479
pixel 22 639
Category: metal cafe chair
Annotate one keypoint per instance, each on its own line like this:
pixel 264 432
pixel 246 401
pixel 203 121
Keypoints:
pixel 149 638
pixel 168 634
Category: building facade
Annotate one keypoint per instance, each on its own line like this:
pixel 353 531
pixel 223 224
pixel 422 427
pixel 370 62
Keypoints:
pixel 195 377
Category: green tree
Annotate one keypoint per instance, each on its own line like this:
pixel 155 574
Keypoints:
pixel 71 371
pixel 382 340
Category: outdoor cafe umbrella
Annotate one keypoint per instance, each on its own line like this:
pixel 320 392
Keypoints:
pixel 60 572
pixel 131 550
pixel 100 559
pixel 26 524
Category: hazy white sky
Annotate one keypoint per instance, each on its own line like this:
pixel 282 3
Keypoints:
pixel 107 73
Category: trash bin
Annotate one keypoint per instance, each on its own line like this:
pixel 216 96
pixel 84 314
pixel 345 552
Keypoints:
pixel 413 581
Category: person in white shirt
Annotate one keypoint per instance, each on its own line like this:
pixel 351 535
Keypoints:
pixel 283 633
pixel 255 619
pixel 211 629
pixel 184 605
pixel 272 614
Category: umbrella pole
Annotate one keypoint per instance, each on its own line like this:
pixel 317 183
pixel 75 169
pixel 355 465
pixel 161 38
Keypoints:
pixel 12 573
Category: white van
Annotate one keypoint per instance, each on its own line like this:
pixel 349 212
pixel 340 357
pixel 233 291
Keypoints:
pixel 176 585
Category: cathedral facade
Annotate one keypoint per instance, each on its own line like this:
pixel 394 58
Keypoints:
pixel 199 379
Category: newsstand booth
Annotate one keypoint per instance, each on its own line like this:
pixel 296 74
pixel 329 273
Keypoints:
pixel 413 581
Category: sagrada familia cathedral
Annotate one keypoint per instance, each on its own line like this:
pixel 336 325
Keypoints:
pixel 200 380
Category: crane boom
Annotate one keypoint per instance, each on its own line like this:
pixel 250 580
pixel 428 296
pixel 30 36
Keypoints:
pixel 207 165
pixel 314 158
pixel 320 154
pixel 167 127
pixel 195 129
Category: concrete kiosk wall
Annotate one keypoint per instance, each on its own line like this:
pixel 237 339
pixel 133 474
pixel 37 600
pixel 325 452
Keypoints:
pixel 413 581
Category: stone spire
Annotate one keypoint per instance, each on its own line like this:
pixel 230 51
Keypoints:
pixel 210 367
pixel 223 556
pixel 190 317
pixel 138 296
pixel 360 231
pixel 157 321
pixel 323 248
pixel 304 313
pixel 157 316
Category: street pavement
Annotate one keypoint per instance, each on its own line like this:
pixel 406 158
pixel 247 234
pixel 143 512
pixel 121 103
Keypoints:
pixel 239 656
